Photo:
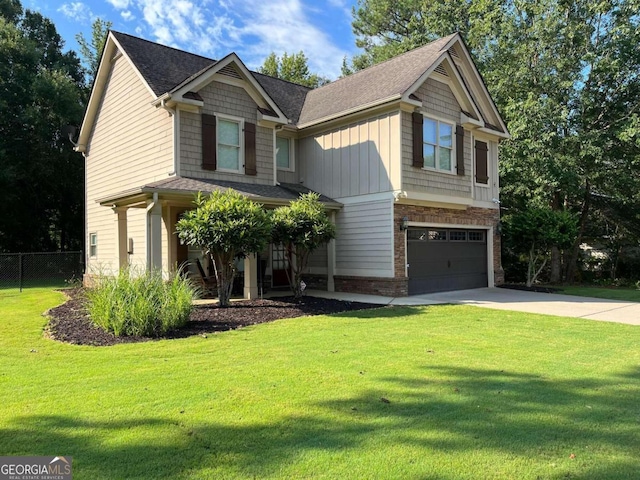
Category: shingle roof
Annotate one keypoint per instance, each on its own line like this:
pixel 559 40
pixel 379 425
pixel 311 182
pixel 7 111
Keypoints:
pixel 284 191
pixel 164 68
pixel 384 80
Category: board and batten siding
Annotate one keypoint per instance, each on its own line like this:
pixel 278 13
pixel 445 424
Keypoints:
pixel 131 145
pixel 357 159
pixel 364 241
pixel 491 191
pixel 439 101
pixel 227 100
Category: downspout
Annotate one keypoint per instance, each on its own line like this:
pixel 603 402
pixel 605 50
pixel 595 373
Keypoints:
pixel 149 208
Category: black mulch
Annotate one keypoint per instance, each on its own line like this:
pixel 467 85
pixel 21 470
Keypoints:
pixel 70 322
pixel 533 288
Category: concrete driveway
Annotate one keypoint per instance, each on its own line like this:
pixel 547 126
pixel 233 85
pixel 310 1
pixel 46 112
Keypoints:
pixel 545 303
pixel 506 299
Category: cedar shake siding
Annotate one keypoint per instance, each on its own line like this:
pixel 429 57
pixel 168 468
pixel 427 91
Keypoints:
pixel 131 144
pixel 439 101
pixel 356 159
pixel 226 100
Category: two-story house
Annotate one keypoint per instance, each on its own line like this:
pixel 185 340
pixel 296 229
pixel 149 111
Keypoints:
pixel 404 154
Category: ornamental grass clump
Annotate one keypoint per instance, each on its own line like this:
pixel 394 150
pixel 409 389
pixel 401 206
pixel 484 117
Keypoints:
pixel 144 305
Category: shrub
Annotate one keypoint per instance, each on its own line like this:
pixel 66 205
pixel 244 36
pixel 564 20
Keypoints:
pixel 141 304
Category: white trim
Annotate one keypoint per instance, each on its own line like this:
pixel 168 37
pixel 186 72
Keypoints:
pixel 241 159
pixel 292 165
pixel 393 238
pixel 368 198
pixel 489 232
pixel 275 160
pixel 438 121
pixel 176 142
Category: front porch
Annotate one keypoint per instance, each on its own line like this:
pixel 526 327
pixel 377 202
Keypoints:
pixel 165 201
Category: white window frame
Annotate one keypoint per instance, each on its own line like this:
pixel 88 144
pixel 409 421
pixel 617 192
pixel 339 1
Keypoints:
pixel 93 244
pixel 240 122
pixel 490 154
pixel 292 167
pixel 453 145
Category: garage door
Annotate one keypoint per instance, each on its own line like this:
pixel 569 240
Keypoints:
pixel 441 259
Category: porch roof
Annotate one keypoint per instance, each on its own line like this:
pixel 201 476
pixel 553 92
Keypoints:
pixel 184 188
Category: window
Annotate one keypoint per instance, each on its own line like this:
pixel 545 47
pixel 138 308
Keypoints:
pixel 284 150
pixel 229 141
pixel 437 148
pixel 475 236
pixel 93 244
pixel 437 235
pixel 457 236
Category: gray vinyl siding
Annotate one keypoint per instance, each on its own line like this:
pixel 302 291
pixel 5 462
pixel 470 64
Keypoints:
pixel 492 190
pixel 438 100
pixel 318 260
pixel 356 159
pixel 227 100
pixel 364 243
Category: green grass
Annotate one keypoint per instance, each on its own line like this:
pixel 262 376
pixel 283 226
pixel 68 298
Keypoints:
pixel 473 394
pixel 624 294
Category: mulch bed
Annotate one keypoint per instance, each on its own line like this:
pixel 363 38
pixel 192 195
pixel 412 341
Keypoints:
pixel 70 322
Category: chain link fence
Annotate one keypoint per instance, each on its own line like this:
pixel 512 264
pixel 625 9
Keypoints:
pixel 40 269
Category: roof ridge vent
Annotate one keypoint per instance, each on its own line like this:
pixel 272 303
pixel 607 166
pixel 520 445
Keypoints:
pixel 230 71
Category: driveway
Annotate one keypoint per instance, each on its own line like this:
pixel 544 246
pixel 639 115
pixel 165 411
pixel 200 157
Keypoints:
pixel 506 299
pixel 545 303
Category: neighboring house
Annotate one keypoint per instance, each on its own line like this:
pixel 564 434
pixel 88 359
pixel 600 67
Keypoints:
pixel 404 153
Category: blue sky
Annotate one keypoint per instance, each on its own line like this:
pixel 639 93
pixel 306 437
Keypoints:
pixel 214 28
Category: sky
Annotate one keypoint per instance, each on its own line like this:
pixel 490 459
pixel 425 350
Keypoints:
pixel 214 28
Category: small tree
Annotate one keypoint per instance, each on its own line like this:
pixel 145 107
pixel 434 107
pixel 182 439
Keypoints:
pixel 226 225
pixel 533 232
pixel 301 228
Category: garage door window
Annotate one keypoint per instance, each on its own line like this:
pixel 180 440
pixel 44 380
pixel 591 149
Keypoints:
pixel 476 236
pixel 458 236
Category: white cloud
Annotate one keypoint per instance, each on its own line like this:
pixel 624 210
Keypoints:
pixel 120 4
pixel 77 11
pixel 251 28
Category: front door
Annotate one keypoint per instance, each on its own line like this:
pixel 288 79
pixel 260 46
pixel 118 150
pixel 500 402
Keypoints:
pixel 279 266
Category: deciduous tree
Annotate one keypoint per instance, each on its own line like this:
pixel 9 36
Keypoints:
pixel 301 228
pixel 293 68
pixel 227 226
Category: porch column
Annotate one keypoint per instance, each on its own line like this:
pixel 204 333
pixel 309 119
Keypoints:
pixel 251 277
pixel 122 236
pixel 331 258
pixel 154 234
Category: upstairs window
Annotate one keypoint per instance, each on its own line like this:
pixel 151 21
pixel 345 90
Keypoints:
pixel 229 144
pixel 284 152
pixel 437 148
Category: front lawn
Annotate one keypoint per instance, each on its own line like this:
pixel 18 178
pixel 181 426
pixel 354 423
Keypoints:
pixel 442 392
pixel 623 294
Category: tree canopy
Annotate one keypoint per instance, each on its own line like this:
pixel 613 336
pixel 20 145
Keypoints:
pixel 293 68
pixel 91 50
pixel 41 91
pixel 566 78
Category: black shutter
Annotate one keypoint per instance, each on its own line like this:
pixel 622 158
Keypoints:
pixel 209 152
pixel 250 149
pixel 418 156
pixel 482 150
pixel 460 149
